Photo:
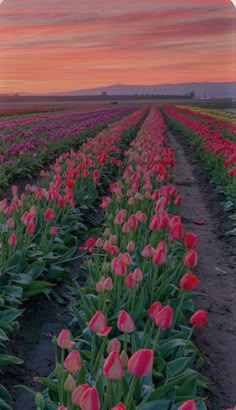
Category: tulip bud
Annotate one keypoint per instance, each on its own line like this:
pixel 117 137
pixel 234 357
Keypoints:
pixel 137 275
pixel 191 259
pixel 199 318
pixel 119 406
pixel 39 401
pixel 64 339
pixel 130 281
pixel 62 408
pixel 131 246
pixel 188 405
pixel 176 232
pixel 124 359
pixel 141 362
pixel 114 346
pixel 78 393
pixel 188 281
pixel 90 400
pixel 159 256
pixel 125 322
pixel 113 367
pixel 73 361
pixel 154 309
pixel 164 318
pixel 12 240
pixel 70 384
pixel 190 240
pixel 107 284
pixel 148 251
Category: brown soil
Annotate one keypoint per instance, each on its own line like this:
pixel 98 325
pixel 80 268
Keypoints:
pixel 217 260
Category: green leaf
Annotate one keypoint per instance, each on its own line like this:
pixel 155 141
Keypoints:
pixel 178 365
pixel 4 394
pixel 6 360
pixel 52 385
pixel 4 405
pixel 37 287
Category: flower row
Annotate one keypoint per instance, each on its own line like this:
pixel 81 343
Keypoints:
pixel 216 151
pixel 40 227
pixel 24 150
pixel 133 319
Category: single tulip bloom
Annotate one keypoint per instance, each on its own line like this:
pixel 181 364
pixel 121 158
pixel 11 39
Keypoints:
pixel 154 309
pixel 64 339
pixel 164 318
pixel 73 362
pixel 160 253
pixel 118 266
pixel 119 406
pixel 141 362
pixel 137 274
pixel 176 232
pixel 131 246
pixel 125 322
pixel 188 405
pixel 98 324
pixel 199 318
pixel 114 346
pixel 49 214
pixel 10 223
pixel 188 281
pixel 12 240
pixel 78 393
pixel 107 284
pixel 70 384
pixel 90 400
pixel 191 259
pixel 190 240
pixel 148 251
pixel 53 230
pixel 62 408
pixel 113 367
pixel 130 281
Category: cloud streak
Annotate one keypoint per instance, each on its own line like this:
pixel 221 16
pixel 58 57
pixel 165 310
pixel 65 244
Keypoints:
pixel 54 45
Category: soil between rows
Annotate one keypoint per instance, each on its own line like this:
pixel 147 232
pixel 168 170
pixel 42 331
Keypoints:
pixel 216 270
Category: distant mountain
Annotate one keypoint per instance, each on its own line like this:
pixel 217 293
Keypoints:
pixel 201 90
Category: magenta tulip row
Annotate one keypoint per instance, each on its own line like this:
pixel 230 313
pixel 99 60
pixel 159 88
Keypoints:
pixel 134 317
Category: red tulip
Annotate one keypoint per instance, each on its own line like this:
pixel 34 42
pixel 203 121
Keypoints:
pixel 159 256
pixel 73 361
pixel 199 318
pixel 191 259
pixel 178 200
pixel 119 406
pixel 64 340
pixel 12 240
pixel 188 405
pixel 176 232
pixel 113 367
pixel 53 230
pixel 188 281
pixel 78 393
pixel 62 408
pixel 125 322
pixel 154 309
pixel 70 183
pixel 90 400
pixel 49 214
pixel 130 281
pixel 164 318
pixel 190 240
pixel 141 362
pixel 90 243
pixel 31 228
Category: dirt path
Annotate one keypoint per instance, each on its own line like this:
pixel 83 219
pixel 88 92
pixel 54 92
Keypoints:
pixel 215 269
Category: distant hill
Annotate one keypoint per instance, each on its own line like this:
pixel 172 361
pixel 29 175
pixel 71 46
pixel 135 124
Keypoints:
pixel 201 90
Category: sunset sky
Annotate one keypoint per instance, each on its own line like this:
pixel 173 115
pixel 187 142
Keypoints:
pixel 54 45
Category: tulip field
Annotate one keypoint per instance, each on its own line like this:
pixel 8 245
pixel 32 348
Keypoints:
pixel 105 197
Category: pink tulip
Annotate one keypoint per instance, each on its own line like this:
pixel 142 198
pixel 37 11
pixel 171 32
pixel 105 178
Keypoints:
pixel 64 339
pixel 49 214
pixel 176 232
pixel 131 246
pixel 107 284
pixel 188 405
pixel 137 274
pixel 125 322
pixel 10 223
pixel 148 251
pixel 98 324
pixel 191 259
pixel 141 362
pixel 62 408
pixel 12 240
pixel 130 281
pixel 154 309
pixel 53 230
pixel 90 400
pixel 119 406
pixel 113 367
pixel 118 266
pixel 164 318
pixel 160 253
pixel 78 393
pixel 73 362
pixel 114 346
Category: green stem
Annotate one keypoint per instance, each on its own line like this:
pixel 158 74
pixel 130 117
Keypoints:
pixel 109 384
pixel 131 393
pixel 175 319
pixel 156 340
